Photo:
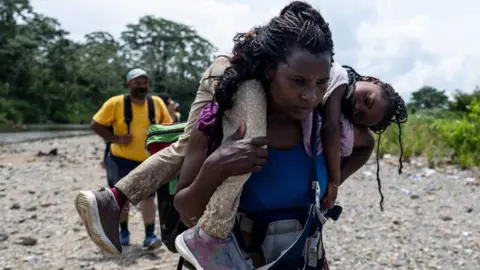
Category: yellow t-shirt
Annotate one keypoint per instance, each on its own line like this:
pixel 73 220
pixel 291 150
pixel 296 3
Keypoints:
pixel 112 114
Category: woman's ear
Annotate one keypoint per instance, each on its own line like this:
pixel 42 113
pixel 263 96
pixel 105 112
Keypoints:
pixel 270 74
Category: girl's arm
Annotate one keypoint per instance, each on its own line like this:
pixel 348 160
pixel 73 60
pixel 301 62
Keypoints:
pixel 363 146
pixel 331 133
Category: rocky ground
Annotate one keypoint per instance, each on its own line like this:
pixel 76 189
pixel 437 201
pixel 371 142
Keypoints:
pixel 431 218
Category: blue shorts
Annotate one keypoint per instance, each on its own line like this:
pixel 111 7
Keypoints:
pixel 118 168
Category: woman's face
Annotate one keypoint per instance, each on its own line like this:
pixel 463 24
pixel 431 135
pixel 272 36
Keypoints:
pixel 299 84
pixel 171 105
pixel 370 104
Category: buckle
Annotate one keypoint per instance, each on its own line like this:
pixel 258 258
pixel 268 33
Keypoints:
pixel 312 253
pixel 245 223
pixel 320 216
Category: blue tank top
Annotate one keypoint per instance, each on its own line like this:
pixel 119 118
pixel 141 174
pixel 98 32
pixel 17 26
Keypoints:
pixel 284 182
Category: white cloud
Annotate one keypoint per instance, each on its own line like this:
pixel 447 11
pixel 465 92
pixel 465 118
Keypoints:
pixel 409 43
pixel 416 43
pixel 215 20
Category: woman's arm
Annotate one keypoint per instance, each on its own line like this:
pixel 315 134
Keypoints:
pixel 364 142
pixel 201 175
pixel 192 196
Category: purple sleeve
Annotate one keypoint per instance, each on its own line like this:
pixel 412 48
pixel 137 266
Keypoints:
pixel 346 136
pixel 207 118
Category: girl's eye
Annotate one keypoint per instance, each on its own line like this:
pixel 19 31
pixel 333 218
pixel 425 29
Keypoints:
pixel 367 100
pixel 322 82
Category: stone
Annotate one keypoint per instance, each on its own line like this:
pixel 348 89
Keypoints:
pixel 27 241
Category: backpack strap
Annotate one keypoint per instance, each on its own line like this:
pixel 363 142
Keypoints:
pixel 181 260
pixel 151 110
pixel 314 144
pixel 127 111
pixel 261 221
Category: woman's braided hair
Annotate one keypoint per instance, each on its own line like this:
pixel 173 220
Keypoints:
pixel 256 52
pixel 396 113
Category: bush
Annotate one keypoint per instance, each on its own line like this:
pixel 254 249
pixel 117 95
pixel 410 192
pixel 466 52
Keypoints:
pixel 440 135
pixel 462 136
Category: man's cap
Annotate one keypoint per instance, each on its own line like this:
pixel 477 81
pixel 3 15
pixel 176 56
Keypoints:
pixel 135 73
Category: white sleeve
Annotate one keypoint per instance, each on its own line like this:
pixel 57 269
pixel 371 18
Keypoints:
pixel 338 76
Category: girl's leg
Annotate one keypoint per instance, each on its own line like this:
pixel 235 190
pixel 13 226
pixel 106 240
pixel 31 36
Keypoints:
pixel 165 165
pixel 100 210
pixel 207 246
pixel 251 107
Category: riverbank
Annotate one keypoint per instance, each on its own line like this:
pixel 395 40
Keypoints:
pixel 431 218
pixel 41 127
pixel 26 133
pixel 30 136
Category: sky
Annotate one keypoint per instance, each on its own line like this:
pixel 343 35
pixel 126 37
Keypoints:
pixel 408 43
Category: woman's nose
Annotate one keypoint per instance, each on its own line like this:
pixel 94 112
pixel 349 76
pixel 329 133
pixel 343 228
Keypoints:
pixel 310 95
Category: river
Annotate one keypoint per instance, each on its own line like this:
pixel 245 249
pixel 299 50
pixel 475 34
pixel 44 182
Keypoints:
pixel 16 134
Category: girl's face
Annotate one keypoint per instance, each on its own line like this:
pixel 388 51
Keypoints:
pixel 370 104
pixel 299 84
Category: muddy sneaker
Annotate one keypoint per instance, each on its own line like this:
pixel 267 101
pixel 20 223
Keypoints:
pixel 152 242
pixel 211 253
pixel 100 213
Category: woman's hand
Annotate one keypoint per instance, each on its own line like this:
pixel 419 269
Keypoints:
pixel 237 156
pixel 330 196
pixel 201 175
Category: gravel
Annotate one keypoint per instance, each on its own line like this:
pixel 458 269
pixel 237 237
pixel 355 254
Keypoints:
pixel 431 218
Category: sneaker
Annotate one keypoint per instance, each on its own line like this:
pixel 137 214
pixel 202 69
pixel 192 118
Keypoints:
pixel 152 242
pixel 124 237
pixel 211 254
pixel 100 214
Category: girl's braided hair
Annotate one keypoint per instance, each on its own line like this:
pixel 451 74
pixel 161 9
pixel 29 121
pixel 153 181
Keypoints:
pixel 396 113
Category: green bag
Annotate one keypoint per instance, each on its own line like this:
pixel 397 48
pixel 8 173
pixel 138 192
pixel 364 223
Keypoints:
pixel 172 186
pixel 160 136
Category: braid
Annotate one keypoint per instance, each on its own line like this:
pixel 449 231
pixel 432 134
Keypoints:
pixel 258 51
pixel 396 113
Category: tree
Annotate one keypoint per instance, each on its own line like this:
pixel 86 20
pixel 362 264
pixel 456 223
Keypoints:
pixel 462 100
pixel 173 53
pixel 26 36
pixel 428 97
pixel 44 76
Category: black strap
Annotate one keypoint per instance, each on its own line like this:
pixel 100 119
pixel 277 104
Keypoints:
pixel 180 263
pixel 314 145
pixel 127 110
pixel 260 225
pixel 151 110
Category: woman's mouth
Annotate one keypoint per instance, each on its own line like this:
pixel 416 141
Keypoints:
pixel 303 109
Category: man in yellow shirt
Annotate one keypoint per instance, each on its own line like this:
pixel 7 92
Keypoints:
pixel 129 116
